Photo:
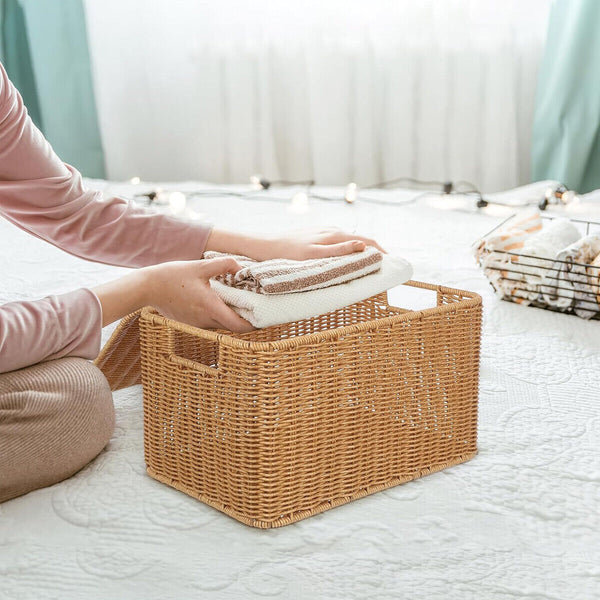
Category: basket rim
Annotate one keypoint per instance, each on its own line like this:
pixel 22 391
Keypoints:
pixel 469 300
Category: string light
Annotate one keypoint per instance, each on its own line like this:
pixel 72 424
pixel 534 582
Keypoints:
pixel 177 202
pixel 299 204
pixel 558 194
pixel 259 182
pixel 299 201
pixel 351 193
pixel 570 197
pixel 135 181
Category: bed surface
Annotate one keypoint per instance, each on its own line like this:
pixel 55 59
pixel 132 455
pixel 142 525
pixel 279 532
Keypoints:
pixel 520 521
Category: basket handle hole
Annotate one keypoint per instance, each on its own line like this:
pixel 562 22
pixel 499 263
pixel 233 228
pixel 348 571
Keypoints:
pixel 412 298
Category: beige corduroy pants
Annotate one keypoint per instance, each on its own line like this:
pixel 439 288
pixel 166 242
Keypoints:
pixel 55 417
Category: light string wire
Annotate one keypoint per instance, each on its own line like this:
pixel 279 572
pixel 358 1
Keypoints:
pixel 553 195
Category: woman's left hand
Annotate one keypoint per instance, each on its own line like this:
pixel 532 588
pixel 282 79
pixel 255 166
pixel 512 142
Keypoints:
pixel 302 245
pixel 298 245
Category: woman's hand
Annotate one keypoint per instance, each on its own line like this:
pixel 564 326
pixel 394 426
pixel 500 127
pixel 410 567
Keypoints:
pixel 299 245
pixel 179 290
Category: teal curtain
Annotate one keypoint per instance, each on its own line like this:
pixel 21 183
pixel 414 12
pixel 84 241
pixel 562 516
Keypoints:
pixel 566 129
pixel 44 49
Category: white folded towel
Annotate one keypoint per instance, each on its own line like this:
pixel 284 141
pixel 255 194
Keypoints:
pixel 265 310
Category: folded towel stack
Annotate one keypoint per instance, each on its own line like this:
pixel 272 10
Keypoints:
pixel 321 294
pixel 282 276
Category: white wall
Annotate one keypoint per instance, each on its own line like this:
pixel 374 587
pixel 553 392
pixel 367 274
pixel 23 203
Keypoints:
pixel 335 90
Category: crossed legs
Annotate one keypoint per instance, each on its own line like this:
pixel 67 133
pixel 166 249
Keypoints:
pixel 55 417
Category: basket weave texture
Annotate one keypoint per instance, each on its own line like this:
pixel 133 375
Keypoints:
pixel 119 359
pixel 282 423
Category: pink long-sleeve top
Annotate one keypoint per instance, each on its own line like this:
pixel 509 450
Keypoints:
pixel 46 197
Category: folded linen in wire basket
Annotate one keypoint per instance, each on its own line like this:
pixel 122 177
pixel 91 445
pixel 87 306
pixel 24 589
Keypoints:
pixel 491 253
pixel 283 276
pixel 520 273
pixel 512 235
pixel 572 281
pixel 264 310
pixel 541 248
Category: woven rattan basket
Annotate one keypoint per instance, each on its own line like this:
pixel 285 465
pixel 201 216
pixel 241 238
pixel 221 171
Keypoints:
pixel 286 422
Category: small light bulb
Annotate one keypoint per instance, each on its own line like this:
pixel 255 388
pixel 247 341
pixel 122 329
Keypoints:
pixel 259 182
pixel 569 197
pixel 299 204
pixel 351 193
pixel 135 181
pixel 160 196
pixel 177 202
pixel 549 194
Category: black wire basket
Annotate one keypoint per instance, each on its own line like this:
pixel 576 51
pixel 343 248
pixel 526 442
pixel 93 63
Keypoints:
pixel 574 288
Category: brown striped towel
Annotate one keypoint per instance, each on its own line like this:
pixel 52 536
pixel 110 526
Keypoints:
pixel 283 276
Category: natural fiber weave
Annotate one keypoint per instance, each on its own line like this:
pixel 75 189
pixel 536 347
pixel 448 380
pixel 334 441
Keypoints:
pixel 282 423
pixel 119 359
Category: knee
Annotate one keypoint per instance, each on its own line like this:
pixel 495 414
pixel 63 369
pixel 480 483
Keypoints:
pixel 60 416
pixel 89 402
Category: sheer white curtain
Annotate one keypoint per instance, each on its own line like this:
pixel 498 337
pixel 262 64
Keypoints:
pixel 331 90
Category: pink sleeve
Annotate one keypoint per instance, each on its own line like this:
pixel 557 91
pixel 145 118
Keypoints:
pixel 44 196
pixel 56 326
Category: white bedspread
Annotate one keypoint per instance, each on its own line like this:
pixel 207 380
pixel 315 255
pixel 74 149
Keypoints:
pixel 520 521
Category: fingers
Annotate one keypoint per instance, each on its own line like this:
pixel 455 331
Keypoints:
pixel 226 318
pixel 341 249
pixel 218 266
pixel 338 236
pixel 209 323
pixel 223 316
pixel 370 242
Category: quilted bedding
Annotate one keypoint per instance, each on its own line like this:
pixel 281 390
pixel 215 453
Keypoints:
pixel 520 521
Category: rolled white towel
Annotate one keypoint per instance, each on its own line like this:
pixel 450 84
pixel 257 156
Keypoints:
pixel 594 274
pixel 540 250
pixel 555 289
pixel 572 281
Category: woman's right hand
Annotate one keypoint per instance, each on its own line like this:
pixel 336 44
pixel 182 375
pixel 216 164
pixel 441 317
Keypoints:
pixel 179 290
